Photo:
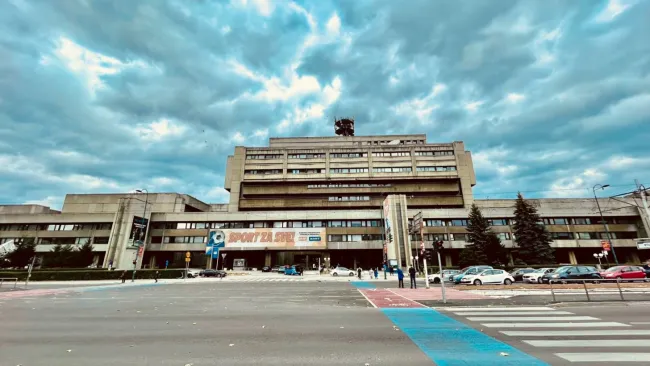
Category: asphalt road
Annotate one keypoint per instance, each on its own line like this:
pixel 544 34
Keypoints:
pixel 203 324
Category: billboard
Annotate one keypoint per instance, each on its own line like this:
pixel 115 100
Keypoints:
pixel 138 230
pixel 274 238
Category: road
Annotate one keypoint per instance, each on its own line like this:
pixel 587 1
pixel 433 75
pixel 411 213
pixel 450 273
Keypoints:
pixel 308 323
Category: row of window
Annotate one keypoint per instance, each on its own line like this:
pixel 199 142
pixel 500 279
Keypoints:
pixel 54 227
pixel 554 236
pixel 588 221
pixel 349 155
pixel 306 171
pixel 348 170
pixel 399 169
pixel 306 156
pixel 76 241
pixel 263 171
pixel 463 222
pixel 349 185
pixel 266 224
pixel 434 153
pixel 353 237
pixel 349 198
pixel 436 169
pixel 394 153
pixel 264 156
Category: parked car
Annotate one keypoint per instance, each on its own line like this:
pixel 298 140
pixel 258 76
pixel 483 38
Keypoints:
pixel 342 271
pixel 292 271
pixel 629 273
pixel 488 276
pixel 266 269
pixel 193 272
pixel 468 271
pixel 277 269
pixel 518 274
pixel 572 273
pixel 536 277
pixel 281 269
pixel 213 273
pixel 446 273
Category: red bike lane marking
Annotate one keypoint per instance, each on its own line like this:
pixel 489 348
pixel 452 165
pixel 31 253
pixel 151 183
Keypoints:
pixel 31 293
pixel 383 298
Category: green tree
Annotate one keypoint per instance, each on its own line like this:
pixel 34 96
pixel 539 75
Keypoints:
pixel 61 256
pixel 25 251
pixel 531 237
pixel 84 255
pixel 484 246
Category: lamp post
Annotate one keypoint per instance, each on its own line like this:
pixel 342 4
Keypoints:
pixel 609 240
pixel 144 215
pixel 598 256
pixel 605 254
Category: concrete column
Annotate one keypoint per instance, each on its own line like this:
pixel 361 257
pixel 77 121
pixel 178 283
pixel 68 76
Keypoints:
pixel 267 258
pixel 152 262
pixel 572 257
pixel 634 258
pixel 448 260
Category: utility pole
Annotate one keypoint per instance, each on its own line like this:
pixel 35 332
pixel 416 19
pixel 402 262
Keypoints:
pixel 642 194
pixel 417 227
pixel 609 237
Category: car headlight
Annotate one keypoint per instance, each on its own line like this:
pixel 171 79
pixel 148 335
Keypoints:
pixel 555 275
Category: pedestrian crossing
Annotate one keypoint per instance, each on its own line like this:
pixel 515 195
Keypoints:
pixel 571 337
pixel 243 279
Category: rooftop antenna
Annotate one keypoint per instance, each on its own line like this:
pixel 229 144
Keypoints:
pixel 344 126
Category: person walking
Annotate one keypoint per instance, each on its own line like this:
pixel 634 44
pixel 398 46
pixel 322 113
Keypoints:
pixel 123 276
pixel 391 270
pixel 359 272
pixel 370 273
pixel 400 277
pixel 412 277
pixel 376 273
pixel 156 275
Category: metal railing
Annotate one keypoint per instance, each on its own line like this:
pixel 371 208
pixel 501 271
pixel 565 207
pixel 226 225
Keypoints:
pixel 593 281
pixel 8 279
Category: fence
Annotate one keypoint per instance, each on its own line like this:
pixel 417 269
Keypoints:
pixel 8 279
pixel 598 291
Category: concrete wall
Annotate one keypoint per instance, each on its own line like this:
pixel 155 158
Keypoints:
pixel 25 209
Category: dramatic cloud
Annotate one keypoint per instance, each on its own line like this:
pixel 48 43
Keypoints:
pixel 551 97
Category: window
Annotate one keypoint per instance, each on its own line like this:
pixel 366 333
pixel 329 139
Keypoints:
pixel 348 155
pixel 306 171
pixel 352 237
pixel 434 223
pixel 436 237
pixel 396 153
pixel 562 236
pixel 585 236
pixel 436 168
pixel 503 236
pixel 404 169
pixel 434 153
pixel 263 171
pixel 100 240
pixel 349 185
pixel 498 222
pixel 555 221
pixel 187 239
pixel 581 221
pixel 263 156
pixel 61 227
pixel 349 198
pixel 306 156
pixel 458 237
pixel 336 223
pixel 348 170
pixel 458 222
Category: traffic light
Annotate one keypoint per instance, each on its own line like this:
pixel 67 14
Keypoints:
pixel 438 246
pixel 428 254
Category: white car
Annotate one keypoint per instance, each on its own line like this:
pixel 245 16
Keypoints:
pixel 446 274
pixel 536 277
pixel 488 276
pixel 342 271
pixel 193 272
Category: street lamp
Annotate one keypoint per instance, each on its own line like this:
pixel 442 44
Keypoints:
pixel 598 256
pixel 144 215
pixel 609 240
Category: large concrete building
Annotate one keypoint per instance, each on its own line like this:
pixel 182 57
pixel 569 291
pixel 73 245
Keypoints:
pixel 317 199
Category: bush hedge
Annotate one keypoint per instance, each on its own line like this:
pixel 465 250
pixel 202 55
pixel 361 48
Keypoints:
pixel 90 274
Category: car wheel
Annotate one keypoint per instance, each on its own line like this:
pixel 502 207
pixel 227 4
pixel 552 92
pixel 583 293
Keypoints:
pixel 477 283
pixel 507 282
pixel 436 280
pixel 539 280
pixel 335 274
pixel 351 274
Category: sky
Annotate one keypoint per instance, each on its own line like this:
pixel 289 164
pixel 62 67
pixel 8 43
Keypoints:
pixel 551 97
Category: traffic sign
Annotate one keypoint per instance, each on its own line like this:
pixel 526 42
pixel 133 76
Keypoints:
pixel 187 260
pixel 606 246
pixel 187 255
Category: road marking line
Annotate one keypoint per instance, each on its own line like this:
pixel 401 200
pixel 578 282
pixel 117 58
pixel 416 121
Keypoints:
pixel 590 343
pixel 529 318
pixel 509 308
pixel 364 295
pixel 605 357
pixel 640 323
pixel 517 313
pixel 575 333
pixel 554 325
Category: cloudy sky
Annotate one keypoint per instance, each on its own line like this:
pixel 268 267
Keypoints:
pixel 111 96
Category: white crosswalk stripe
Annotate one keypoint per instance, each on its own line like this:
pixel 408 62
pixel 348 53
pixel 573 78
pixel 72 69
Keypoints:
pixel 589 338
pixel 236 279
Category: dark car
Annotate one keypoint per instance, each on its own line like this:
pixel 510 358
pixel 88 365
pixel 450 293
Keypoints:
pixel 213 273
pixel 572 273
pixel 266 269
pixel 518 274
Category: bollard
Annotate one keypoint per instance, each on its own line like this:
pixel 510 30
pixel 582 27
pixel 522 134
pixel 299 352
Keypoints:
pixel 586 290
pixel 550 282
pixel 620 292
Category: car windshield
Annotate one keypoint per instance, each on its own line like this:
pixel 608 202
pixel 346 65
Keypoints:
pixel 563 269
pixel 614 269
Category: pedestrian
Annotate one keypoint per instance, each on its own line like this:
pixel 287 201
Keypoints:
pixel 301 270
pixel 359 272
pixel 376 272
pixel 370 273
pixel 123 276
pixel 400 277
pixel 412 277
pixel 391 270
pixel 156 275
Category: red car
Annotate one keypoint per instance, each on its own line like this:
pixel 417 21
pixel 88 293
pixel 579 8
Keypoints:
pixel 624 273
